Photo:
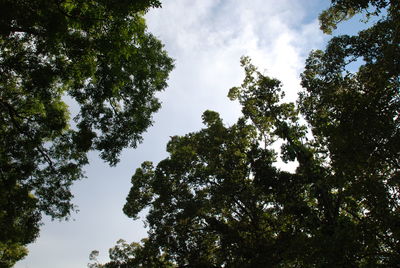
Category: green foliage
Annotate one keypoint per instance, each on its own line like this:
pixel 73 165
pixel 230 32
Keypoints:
pixel 10 253
pixel 133 255
pixel 355 115
pixel 219 200
pixel 342 10
pixel 19 223
pixel 100 54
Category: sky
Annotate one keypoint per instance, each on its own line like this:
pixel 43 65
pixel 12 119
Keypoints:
pixel 206 38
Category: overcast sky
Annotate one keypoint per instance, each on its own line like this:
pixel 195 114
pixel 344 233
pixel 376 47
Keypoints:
pixel 206 38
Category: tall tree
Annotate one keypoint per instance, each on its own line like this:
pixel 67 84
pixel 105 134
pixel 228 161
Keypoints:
pixel 100 54
pixel 355 117
pixel 219 200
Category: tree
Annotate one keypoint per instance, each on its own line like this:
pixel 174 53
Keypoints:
pixel 355 117
pixel 367 101
pixel 219 200
pixel 97 53
pixel 210 203
pixel 125 255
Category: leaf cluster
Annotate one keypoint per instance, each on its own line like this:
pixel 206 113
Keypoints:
pixel 219 200
pixel 96 55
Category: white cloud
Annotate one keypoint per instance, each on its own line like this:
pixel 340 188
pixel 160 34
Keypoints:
pixel 208 37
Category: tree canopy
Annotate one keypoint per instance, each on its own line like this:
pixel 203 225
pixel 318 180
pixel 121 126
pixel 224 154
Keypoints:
pixel 99 55
pixel 219 199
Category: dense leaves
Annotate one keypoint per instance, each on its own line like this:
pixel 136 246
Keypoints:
pixel 355 118
pixel 133 255
pixel 366 102
pixel 99 56
pixel 219 199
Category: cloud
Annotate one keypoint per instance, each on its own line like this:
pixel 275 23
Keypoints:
pixel 208 37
